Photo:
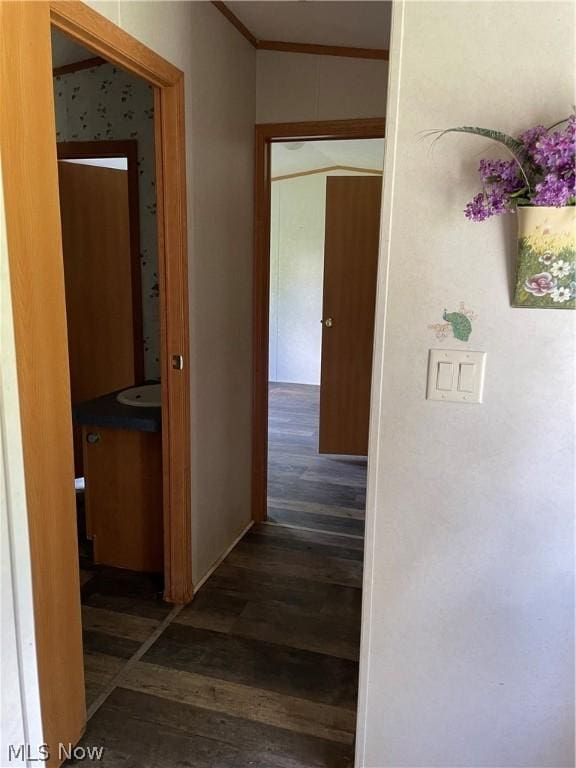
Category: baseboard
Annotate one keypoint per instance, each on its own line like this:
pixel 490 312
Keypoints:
pixel 222 557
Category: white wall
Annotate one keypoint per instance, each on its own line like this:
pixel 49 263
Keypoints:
pixel 296 273
pixel 298 218
pixel 469 603
pixel 219 68
pixel 20 718
pixel 298 86
pixel 117 163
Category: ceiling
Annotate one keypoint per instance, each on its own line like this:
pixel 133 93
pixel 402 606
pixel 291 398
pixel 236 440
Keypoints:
pixel 324 22
pixel 357 153
pixel 66 51
pixel 356 24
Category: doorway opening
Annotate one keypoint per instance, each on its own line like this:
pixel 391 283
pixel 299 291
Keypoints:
pixel 346 388
pixel 318 195
pixel 104 121
pixel 324 232
pixel 41 340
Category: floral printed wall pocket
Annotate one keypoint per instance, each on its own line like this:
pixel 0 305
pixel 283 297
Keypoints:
pixel 538 181
pixel 546 273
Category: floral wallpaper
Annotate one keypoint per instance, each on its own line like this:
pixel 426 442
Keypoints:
pixel 107 103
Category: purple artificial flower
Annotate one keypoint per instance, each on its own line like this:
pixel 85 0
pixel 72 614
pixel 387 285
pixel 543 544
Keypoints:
pixel 531 136
pixel 486 204
pixel 498 202
pixel 541 173
pixel 554 191
pixel 504 174
pixel 476 210
pixel 555 152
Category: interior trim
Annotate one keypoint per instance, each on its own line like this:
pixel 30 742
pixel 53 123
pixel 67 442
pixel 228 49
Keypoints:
pixel 265 135
pixel 76 66
pixel 323 50
pixel 94 31
pixel 235 21
pixel 310 48
pixel 36 280
pixel 370 171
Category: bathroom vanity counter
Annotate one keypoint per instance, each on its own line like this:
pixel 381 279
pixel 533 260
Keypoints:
pixel 106 411
pixel 122 454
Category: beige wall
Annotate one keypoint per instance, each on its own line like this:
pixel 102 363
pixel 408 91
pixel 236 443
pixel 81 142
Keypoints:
pixel 291 87
pixel 468 624
pixel 297 223
pixel 219 67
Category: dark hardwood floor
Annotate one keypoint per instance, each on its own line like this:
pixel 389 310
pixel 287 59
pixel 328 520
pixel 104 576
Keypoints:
pixel 261 669
pixel 306 489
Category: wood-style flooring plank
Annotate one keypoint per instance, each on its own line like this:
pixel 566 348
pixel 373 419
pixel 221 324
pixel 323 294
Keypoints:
pixel 328 523
pixel 259 742
pixel 316 509
pixel 289 671
pixel 99 671
pixel 306 488
pixel 302 564
pixel 132 743
pixel 111 645
pixel 118 624
pixel 330 546
pixel 283 536
pixel 279 624
pixel 256 585
pixel 291 713
pixel 212 610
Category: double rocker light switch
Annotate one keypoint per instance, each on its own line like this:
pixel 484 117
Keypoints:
pixel 456 375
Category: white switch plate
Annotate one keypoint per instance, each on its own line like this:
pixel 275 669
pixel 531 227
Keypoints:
pixel 456 375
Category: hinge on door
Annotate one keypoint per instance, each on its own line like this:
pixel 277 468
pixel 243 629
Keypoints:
pixel 178 362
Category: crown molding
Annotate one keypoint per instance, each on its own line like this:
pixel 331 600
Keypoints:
pixel 323 50
pixel 309 48
pixel 235 21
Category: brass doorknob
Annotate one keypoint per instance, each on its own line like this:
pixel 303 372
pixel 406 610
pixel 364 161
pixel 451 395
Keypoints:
pixel 328 323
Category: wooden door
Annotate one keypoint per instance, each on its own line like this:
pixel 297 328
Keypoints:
pixel 30 185
pixel 94 208
pixel 350 267
pixel 98 278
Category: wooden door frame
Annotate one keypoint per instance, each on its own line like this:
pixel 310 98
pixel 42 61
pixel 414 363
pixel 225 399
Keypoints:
pixel 128 148
pixel 30 182
pixel 266 135
pixel 100 35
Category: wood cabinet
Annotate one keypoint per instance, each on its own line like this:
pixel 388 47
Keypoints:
pixel 123 492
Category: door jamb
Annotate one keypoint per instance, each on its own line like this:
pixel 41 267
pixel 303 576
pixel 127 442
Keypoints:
pixel 97 33
pixel 128 148
pixel 266 135
pixel 36 280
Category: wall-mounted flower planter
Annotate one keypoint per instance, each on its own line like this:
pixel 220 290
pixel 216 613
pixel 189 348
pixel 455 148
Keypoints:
pixel 546 270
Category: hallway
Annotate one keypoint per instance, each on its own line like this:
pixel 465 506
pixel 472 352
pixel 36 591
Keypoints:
pixel 259 670
pixel 306 489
